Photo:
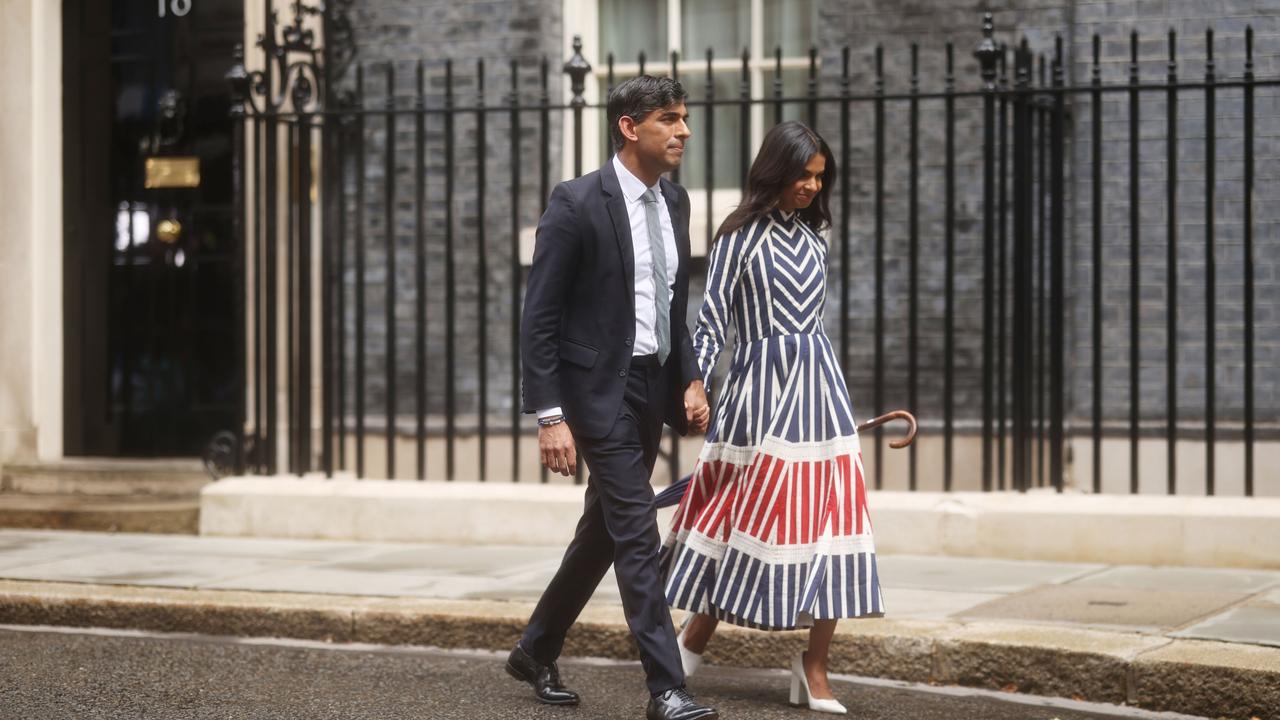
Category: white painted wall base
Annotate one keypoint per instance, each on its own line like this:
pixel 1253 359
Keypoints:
pixel 1217 532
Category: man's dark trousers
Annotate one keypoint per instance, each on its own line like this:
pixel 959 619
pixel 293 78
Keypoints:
pixel 619 526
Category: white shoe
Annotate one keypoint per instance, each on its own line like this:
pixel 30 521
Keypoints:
pixel 800 691
pixel 689 659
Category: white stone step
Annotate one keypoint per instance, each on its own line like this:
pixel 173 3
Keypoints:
pixel 174 477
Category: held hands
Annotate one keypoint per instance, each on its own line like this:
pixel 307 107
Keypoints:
pixel 558 452
pixel 696 409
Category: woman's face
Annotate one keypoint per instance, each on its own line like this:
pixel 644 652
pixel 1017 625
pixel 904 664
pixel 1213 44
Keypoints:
pixel 801 193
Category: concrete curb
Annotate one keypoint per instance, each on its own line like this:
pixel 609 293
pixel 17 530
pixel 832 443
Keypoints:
pixel 1203 678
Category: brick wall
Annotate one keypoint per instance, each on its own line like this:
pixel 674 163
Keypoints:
pixel 931 24
pixel 1113 21
pixel 862 25
pixel 402 32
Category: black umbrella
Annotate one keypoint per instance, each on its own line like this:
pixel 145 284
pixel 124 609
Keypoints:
pixel 672 494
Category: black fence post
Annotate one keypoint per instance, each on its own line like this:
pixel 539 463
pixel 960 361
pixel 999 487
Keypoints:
pixel 238 78
pixel 709 144
pixel 777 85
pixel 1171 268
pixel 1040 379
pixel 949 233
pixel 1210 266
pixel 813 87
pixel 878 390
pixel 577 69
pixel 1095 147
pixel 744 116
pixel 329 282
pixel 913 255
pixel 1134 255
pixel 341 139
pixel 450 289
pixel 515 271
pixel 1002 261
pixel 988 54
pixel 292 256
pixel 1023 339
pixel 845 179
pixel 360 262
pixel 544 165
pixel 304 293
pixel 389 245
pixel 1248 261
pixel 420 270
pixel 1057 304
pixel 270 268
pixel 482 273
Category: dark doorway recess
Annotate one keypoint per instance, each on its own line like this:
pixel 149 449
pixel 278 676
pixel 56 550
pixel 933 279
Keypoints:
pixel 151 352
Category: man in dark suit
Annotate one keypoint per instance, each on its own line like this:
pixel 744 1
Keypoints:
pixel 607 359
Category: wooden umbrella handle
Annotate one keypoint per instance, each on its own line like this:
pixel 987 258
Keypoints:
pixel 895 415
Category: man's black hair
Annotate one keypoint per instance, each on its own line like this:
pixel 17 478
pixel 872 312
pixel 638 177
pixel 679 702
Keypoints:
pixel 637 97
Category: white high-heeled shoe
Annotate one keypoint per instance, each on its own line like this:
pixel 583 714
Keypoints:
pixel 689 659
pixel 800 691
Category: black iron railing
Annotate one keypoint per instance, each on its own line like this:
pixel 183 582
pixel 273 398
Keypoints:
pixel 1013 128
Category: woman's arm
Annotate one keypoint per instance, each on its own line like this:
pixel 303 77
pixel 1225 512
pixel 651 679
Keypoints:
pixel 717 302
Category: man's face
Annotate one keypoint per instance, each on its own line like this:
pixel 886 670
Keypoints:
pixel 661 136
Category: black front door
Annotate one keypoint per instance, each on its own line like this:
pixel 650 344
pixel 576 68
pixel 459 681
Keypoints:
pixel 151 351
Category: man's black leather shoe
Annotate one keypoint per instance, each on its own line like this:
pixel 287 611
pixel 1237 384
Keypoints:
pixel 677 704
pixel 545 679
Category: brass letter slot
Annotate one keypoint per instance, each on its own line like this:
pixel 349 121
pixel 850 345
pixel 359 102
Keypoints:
pixel 173 172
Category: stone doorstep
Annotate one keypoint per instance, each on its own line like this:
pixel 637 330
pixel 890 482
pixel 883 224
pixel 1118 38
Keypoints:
pixel 106 476
pixel 144 514
pixel 1212 679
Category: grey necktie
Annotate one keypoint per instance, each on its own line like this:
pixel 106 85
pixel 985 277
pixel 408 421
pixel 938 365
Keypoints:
pixel 661 284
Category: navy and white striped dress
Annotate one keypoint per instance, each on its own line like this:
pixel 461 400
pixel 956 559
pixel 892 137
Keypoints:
pixel 773 530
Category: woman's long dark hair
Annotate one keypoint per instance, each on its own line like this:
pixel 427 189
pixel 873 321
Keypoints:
pixel 781 161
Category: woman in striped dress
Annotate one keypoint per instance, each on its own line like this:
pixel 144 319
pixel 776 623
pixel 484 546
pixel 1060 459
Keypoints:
pixel 773 531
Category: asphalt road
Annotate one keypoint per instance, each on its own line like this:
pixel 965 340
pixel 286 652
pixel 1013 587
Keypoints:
pixel 52 674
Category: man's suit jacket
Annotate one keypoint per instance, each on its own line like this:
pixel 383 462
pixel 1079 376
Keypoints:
pixel 579 308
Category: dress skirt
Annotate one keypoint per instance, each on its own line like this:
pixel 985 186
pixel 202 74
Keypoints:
pixel 773 531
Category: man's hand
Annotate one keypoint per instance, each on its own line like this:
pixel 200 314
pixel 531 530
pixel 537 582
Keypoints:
pixel 696 409
pixel 558 452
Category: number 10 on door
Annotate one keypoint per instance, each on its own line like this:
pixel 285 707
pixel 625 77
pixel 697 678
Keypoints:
pixel 176 7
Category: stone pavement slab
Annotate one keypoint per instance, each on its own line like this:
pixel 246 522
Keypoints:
pixel 145 568
pixel 31 547
pixel 976 575
pixel 1119 608
pixel 1179 578
pixel 329 581
pixel 935 604
pixel 1254 622
pixel 489 560
pixel 290 550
